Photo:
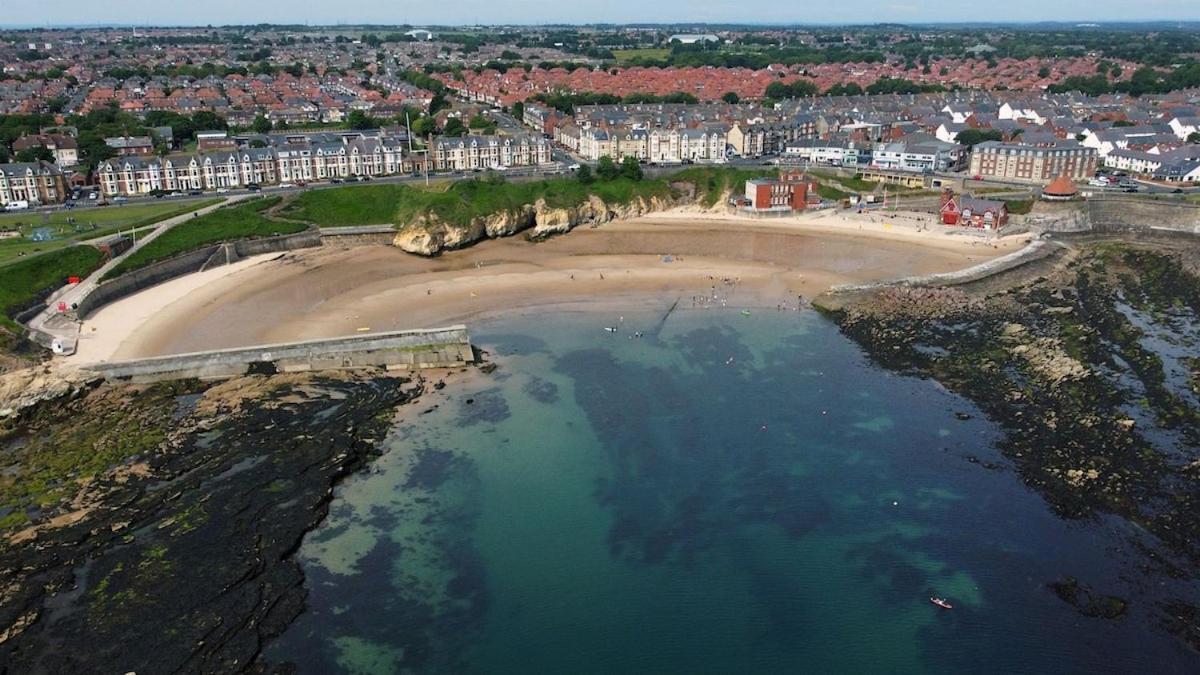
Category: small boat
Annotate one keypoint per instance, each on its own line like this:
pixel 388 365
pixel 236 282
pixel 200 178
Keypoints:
pixel 941 602
pixel 745 312
pixel 610 329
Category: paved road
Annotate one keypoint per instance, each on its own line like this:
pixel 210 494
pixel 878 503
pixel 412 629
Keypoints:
pixel 66 332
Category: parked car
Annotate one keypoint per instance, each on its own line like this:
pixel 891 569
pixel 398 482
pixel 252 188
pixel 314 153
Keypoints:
pixel 120 199
pixel 335 181
pixel 253 187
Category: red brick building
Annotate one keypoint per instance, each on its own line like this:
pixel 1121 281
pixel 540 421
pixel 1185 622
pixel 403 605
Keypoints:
pixel 792 190
pixel 968 211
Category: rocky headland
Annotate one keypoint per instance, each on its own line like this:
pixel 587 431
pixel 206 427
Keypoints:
pixel 151 528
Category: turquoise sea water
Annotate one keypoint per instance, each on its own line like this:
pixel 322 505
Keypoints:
pixel 726 494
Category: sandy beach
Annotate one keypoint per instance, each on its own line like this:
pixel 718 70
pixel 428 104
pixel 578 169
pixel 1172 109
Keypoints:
pixel 648 262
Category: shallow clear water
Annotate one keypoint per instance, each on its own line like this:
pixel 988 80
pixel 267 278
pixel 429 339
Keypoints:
pixel 725 494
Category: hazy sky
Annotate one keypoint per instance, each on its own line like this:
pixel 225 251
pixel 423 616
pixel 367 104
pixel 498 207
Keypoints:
pixel 217 12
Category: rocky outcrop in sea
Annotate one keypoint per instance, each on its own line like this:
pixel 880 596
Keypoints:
pixel 151 529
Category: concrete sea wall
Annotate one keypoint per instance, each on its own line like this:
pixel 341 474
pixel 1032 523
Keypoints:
pixel 1118 214
pixel 194 261
pixel 364 235
pixel 399 350
pixel 1035 250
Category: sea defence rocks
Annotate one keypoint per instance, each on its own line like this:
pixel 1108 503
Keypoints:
pixel 28 387
pixel 399 350
pixel 428 235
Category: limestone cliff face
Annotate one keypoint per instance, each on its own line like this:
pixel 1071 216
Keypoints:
pixel 428 235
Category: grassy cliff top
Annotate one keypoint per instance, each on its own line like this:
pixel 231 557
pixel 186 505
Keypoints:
pixel 460 202
pixel 240 221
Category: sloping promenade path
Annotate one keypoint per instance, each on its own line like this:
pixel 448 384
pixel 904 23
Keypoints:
pixel 60 331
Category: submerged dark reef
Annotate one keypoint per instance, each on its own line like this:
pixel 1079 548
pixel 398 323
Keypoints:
pixel 1091 370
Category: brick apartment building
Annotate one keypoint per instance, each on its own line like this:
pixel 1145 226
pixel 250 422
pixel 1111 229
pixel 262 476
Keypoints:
pixel 126 146
pixel 791 191
pixel 33 182
pixel 993 159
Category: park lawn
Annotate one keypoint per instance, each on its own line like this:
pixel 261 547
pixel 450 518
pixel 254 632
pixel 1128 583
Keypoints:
pixel 22 281
pixel 350 205
pixel 90 223
pixel 241 221
pixel 626 55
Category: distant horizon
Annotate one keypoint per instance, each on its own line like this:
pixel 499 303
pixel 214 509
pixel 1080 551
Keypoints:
pixel 67 14
pixel 1111 23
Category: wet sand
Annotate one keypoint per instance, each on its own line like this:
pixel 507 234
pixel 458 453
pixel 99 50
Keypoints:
pixel 649 262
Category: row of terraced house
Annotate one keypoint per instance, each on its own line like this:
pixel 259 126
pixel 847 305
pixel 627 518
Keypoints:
pixel 304 161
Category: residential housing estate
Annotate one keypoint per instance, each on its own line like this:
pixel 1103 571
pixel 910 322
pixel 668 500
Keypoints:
pixel 313 157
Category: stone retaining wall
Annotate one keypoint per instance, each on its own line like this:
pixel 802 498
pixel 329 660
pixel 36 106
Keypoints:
pixel 187 263
pixel 400 350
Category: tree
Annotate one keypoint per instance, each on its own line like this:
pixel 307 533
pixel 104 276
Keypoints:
pixel 423 126
pixel 584 174
pixel 34 154
pixel 730 97
pixel 1194 137
pixel 631 168
pixel 360 120
pixel 973 137
pixel 261 125
pixel 1044 72
pixel 1122 123
pixel 518 110
pixel 797 89
pixel 206 120
pixel 844 89
pixel 454 127
pixel 606 169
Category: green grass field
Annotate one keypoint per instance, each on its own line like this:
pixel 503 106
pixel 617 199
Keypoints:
pixel 89 224
pixel 241 221
pixel 833 193
pixel 23 280
pixel 351 205
pixel 626 55
pixel 1019 207
pixel 458 203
